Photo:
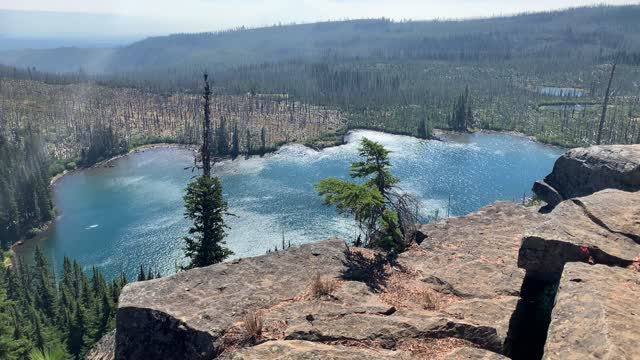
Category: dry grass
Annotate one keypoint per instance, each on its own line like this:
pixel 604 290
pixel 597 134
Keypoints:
pixel 252 326
pixel 432 349
pixel 430 300
pixel 321 287
pixel 404 289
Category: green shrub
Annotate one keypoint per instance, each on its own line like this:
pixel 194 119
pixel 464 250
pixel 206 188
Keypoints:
pixel 71 165
pixel 33 232
pixel 56 168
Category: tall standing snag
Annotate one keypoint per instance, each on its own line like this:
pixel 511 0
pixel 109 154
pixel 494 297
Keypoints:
pixel 605 104
pixel 205 205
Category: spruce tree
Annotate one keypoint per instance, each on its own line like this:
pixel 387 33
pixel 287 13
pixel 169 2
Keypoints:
pixel 371 203
pixel 44 285
pixel 205 207
pixel 263 141
pixel 235 142
pixel 141 274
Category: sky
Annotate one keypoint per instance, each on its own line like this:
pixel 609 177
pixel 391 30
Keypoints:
pixel 151 17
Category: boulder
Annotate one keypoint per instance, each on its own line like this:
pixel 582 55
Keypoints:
pixel 601 228
pixel 597 314
pixel 547 193
pixel 103 349
pixel 183 316
pixel 584 171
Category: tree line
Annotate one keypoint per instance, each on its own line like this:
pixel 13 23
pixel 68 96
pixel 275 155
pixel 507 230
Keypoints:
pixel 25 202
pixel 46 316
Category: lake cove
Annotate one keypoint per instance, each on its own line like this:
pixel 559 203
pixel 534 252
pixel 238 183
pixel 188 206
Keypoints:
pixel 119 217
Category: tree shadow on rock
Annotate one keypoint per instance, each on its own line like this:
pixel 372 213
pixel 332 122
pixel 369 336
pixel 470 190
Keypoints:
pixel 369 270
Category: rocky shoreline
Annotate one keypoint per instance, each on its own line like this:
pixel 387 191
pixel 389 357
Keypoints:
pixel 507 281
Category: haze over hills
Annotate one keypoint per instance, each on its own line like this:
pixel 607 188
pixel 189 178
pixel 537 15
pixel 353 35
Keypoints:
pixel 579 34
pixel 77 25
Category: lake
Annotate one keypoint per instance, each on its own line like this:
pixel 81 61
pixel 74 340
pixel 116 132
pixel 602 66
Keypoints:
pixel 561 91
pixel 130 214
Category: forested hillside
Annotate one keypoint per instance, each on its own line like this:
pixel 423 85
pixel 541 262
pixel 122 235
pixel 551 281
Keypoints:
pixel 580 34
pixel 43 318
pixel 395 76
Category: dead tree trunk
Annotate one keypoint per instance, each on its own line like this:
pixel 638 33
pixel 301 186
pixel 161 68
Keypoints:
pixel 606 101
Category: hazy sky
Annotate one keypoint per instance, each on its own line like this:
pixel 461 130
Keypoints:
pixel 163 16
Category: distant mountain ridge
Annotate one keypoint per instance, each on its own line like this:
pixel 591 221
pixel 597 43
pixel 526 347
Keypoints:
pixel 574 33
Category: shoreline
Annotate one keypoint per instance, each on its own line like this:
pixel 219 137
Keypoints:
pixel 105 163
pixel 46 227
pixel 437 133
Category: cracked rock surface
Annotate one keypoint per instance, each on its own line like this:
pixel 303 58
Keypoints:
pixel 600 228
pixel 450 297
pixel 597 314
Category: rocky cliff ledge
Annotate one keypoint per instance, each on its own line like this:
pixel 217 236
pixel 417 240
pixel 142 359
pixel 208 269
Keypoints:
pixel 584 171
pixel 504 282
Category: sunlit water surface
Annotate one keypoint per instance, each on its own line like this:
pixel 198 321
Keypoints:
pixel 120 217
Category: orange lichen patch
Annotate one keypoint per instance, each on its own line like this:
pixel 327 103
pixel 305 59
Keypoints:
pixel 432 349
pixel 451 247
pixel 491 261
pixel 636 264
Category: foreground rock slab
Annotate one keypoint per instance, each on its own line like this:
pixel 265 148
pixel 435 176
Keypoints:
pixel 450 297
pixel 472 259
pixel 584 171
pixel 183 316
pixel 601 228
pixel 305 350
pixel 597 314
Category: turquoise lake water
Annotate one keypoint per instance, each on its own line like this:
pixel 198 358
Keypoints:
pixel 119 217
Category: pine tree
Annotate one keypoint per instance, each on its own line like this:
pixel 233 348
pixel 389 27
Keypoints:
pixel 424 131
pixel 263 141
pixel 44 285
pixel 371 203
pixel 9 349
pixel 141 274
pixel 206 208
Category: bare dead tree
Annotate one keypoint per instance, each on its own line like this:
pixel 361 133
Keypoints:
pixel 206 153
pixel 605 104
